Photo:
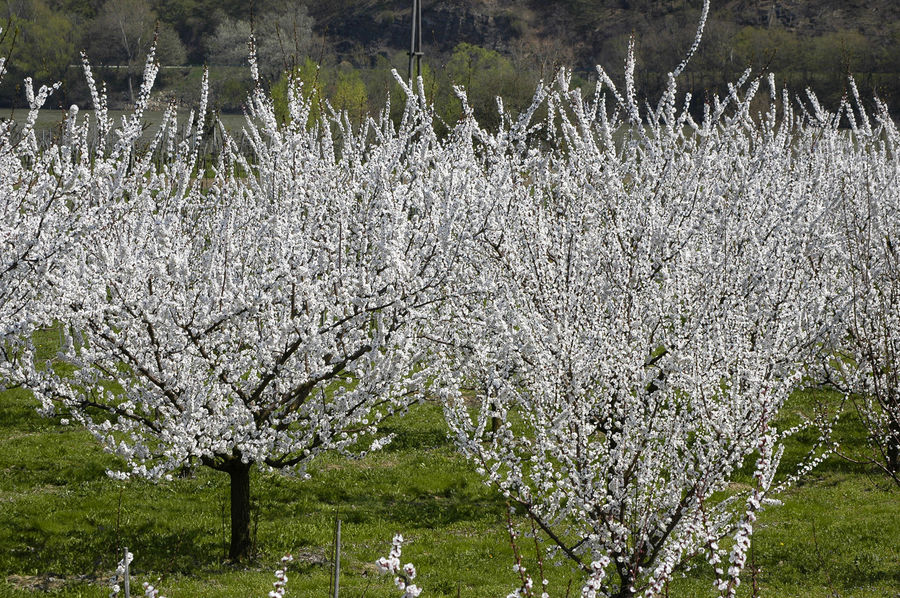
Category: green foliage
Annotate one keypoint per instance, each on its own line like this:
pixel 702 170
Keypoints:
pixel 349 93
pixel 485 74
pixel 44 42
pixel 308 79
pixel 341 86
pixel 85 9
pixel 230 91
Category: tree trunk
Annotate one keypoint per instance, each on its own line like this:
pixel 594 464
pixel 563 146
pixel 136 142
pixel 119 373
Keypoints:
pixel 893 447
pixel 625 582
pixel 624 591
pixel 240 510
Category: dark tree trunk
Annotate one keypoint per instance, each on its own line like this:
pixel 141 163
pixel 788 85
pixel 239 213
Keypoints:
pixel 893 448
pixel 240 510
pixel 625 582
pixel 624 592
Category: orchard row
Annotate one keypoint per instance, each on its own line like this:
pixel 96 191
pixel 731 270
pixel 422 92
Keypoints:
pixel 611 300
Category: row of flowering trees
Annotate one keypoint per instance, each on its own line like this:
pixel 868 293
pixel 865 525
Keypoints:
pixel 866 261
pixel 612 301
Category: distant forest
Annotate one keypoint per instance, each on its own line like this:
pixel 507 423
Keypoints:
pixel 343 50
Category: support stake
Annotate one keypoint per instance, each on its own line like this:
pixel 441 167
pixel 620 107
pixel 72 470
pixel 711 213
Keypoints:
pixel 127 581
pixel 415 42
pixel 337 557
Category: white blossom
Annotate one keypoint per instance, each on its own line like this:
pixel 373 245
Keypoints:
pixel 269 314
pixel 638 312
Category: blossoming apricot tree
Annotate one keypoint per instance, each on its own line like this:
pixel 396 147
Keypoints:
pixel 647 306
pixel 268 310
pixel 866 272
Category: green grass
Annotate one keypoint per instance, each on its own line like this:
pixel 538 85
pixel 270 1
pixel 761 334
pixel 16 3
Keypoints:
pixel 61 517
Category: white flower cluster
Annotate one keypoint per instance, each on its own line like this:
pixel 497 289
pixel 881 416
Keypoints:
pixel 866 270
pixel 404 575
pixel 120 575
pixel 281 578
pixel 152 592
pixel 46 200
pixel 594 587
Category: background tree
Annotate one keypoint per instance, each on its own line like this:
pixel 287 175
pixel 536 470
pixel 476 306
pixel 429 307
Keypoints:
pixel 122 33
pixel 283 34
pixel 229 45
pixel 41 41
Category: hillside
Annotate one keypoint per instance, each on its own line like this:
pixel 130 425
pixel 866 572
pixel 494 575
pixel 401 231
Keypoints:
pixel 813 43
pixel 584 27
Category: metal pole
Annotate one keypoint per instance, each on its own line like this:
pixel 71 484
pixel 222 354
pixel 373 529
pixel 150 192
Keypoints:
pixel 419 38
pixel 415 40
pixel 412 40
pixel 337 558
pixel 127 576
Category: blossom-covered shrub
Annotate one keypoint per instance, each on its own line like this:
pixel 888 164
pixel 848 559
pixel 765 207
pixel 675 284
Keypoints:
pixel 403 575
pixel 122 576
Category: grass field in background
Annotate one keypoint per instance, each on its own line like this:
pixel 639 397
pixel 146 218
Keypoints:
pixel 62 521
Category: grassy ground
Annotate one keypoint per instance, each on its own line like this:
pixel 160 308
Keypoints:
pixel 62 521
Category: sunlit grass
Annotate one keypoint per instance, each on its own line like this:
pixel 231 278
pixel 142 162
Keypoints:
pixel 63 518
